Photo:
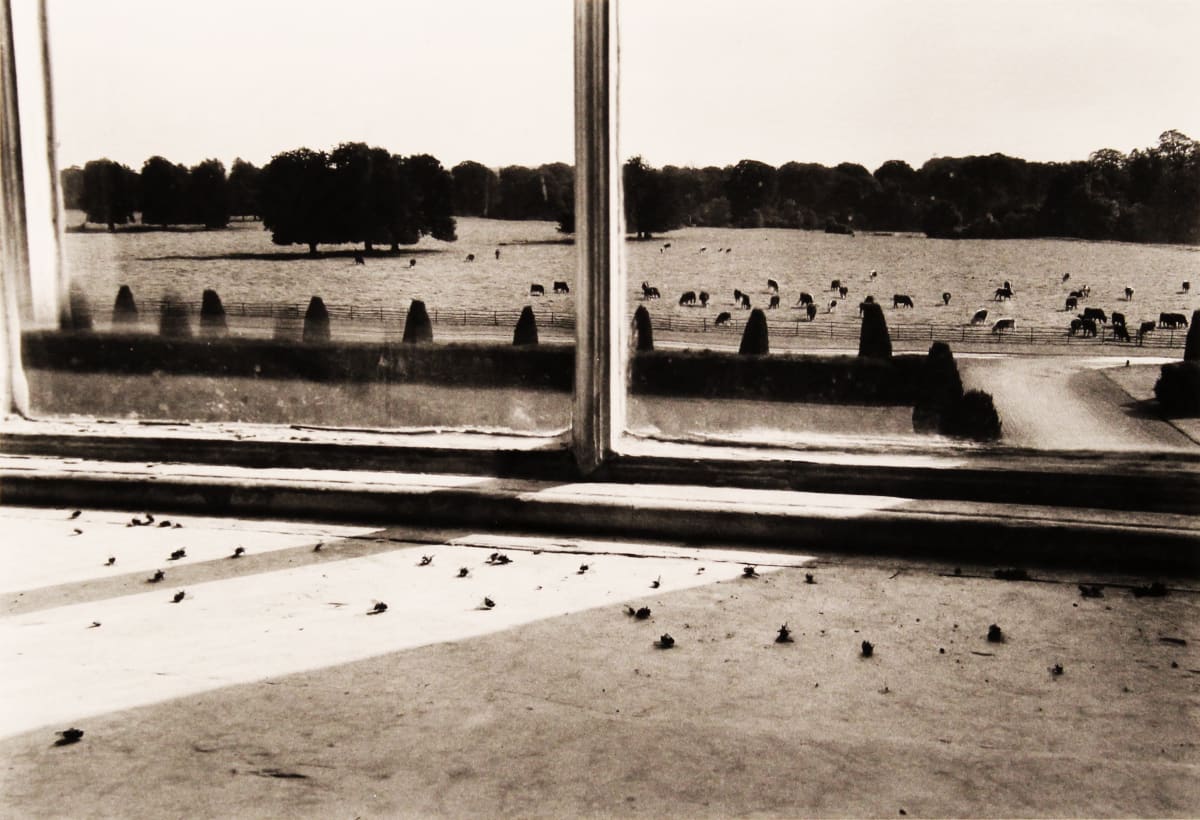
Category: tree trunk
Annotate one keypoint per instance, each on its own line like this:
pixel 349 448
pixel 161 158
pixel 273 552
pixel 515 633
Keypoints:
pixel 395 247
pixel 312 248
pixel 367 247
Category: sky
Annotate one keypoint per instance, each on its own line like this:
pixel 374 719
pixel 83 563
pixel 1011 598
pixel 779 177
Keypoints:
pixel 702 82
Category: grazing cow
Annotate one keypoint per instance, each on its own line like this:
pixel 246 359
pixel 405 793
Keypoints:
pixel 946 297
pixel 723 318
pixel 358 259
pixel 704 298
pixel 649 292
pixel 536 290
pixel 874 273
pixel 805 299
pixel 980 317
pixel 497 253
pixel 835 284
pixel 737 296
pixel 1088 326
pixel 1066 276
pixel 811 310
pixel 1172 320
pixel 1120 332
pixel 1085 291
pixel 832 305
pixel 1187 286
pixel 1075 295
pixel 412 263
pixel 1128 294
pixel 470 257
pixel 1003 293
pixel 1118 319
pixel 688 298
pixel 1143 329
pixel 1072 303
pixel 745 301
pixel 1095 313
pixel 774 303
pixel 729 250
pixel 702 250
pixel 561 287
pixel 1004 324
pixel 843 291
pixel 1076 326
pixel 901 299
pixel 1008 286
pixel 667 245
pixel 772 286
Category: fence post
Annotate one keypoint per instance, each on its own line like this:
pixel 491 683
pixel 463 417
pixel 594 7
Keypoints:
pixel 352 311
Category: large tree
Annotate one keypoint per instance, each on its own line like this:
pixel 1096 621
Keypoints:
pixel 650 205
pixel 164 192
pixel 750 188
pixel 110 192
pixel 243 188
pixel 208 194
pixel 476 189
pixel 295 198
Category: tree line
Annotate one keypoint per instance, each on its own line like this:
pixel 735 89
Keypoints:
pixel 356 193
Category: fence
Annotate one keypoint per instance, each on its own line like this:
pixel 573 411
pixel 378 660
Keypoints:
pixel 816 331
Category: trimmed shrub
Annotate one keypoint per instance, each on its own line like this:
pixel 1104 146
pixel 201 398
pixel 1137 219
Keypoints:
pixel 316 321
pixel 1191 349
pixel 77 313
pixel 973 416
pixel 212 315
pixel 642 328
pixel 1178 388
pixel 754 337
pixel 939 388
pixel 417 327
pixel 125 310
pixel 526 332
pixel 173 320
pixel 874 341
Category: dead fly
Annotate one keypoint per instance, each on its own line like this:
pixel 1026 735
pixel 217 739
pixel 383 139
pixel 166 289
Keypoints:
pixel 112 559
pixel 156 577
pixel 177 554
pixel 178 596
pixel 463 572
pixel 69 736
pixel 994 634
pixel 165 524
pixel 868 649
pixel 426 560
pixel 498 559
pixel 665 642
pixel 641 613
pixel 239 552
pixel 656 583
pixel 488 603
pixel 784 636
pixel 318 546
pixel 808 578
pixel 1091 590
pixel 74 515
pixel 749 572
pixel 582 569
pixel 379 608
pixel 77 531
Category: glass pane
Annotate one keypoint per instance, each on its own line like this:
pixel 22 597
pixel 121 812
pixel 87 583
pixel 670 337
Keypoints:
pixel 334 215
pixel 917 224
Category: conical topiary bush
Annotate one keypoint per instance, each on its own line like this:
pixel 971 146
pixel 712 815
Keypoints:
pixel 754 337
pixel 939 389
pixel 1191 349
pixel 874 340
pixel 973 416
pixel 417 327
pixel 173 320
pixel 316 321
pixel 212 315
pixel 77 313
pixel 642 329
pixel 525 333
pixel 125 310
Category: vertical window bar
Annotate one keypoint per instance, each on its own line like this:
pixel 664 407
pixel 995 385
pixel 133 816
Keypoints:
pixel 599 383
pixel 14 252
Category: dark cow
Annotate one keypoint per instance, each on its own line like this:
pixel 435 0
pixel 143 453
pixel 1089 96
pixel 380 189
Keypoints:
pixel 412 263
pixel 358 259
pixel 1118 319
pixel 1094 313
pixel 667 245
pixel 1128 294
pixel 1072 303
pixel 1143 329
pixel 649 292
pixel 1120 332
pixel 980 317
pixel 561 287
pixel 737 296
pixel 745 301
pixel 946 297
pixel 1004 324
pixel 1075 295
pixel 835 284
pixel 772 286
pixel 729 250
pixel 811 311
pixel 497 253
pixel 901 299
pixel 537 290
pixel 688 298
pixel 723 318
pixel 702 250
pixel 1187 286
pixel 1076 326
pixel 1003 293
pixel 843 291
pixel 1008 286
pixel 805 299
pixel 704 298
pixel 470 257
pixel 1088 326
pixel 1172 320
pixel 1066 276
pixel 774 303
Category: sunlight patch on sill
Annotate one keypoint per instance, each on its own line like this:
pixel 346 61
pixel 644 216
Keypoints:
pixel 635 446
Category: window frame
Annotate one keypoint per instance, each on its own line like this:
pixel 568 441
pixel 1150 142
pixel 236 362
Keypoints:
pixel 597 448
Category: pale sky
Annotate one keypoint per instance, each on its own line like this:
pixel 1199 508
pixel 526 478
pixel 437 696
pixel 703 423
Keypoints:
pixel 703 82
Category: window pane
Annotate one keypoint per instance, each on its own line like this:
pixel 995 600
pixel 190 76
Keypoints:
pixel 335 216
pixel 991 178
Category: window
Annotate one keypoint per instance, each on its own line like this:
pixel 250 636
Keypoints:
pixel 692 441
